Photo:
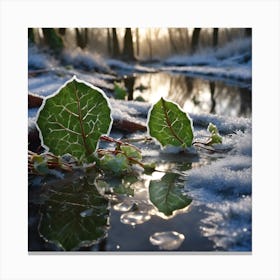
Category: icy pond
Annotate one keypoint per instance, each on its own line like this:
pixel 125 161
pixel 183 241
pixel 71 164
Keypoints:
pixel 123 217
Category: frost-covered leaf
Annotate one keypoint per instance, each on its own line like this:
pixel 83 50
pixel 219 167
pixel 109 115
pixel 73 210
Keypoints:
pixel 212 128
pixel 74 215
pixel 167 194
pixel 149 168
pixel 72 120
pixel 114 163
pixel 168 124
pixel 216 138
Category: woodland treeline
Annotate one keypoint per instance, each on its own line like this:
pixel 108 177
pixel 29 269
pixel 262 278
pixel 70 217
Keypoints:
pixel 130 44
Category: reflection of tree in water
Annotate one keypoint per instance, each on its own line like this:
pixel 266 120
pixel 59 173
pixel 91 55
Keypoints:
pixel 246 102
pixel 129 84
pixel 212 86
pixel 196 95
pixel 178 90
pixel 232 101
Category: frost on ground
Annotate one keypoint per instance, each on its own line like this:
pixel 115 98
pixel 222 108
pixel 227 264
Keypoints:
pixel 233 61
pixel 224 187
pixel 85 60
pixel 127 68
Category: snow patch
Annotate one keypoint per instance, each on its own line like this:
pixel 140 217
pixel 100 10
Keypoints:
pixel 224 124
pixel 224 186
pixel 37 59
pixel 228 224
pixel 233 61
pixel 85 60
pixel 126 68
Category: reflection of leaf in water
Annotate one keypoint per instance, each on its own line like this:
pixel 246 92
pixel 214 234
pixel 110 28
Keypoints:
pixel 122 186
pixel 167 194
pixel 74 215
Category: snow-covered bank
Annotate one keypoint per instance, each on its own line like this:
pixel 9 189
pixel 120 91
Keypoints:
pixel 233 61
pixel 233 53
pixel 225 188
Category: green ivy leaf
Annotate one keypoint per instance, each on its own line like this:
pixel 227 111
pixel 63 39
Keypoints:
pixel 167 194
pixel 149 168
pixel 40 164
pixel 74 215
pixel 72 120
pixel 131 152
pixel 168 124
pixel 120 93
pixel 116 164
pixel 216 138
pixel 212 128
pixel 124 187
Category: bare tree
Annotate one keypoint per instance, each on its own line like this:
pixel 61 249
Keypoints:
pixel 109 42
pixel 31 36
pixel 52 39
pixel 195 39
pixel 187 39
pixel 248 32
pixel 215 37
pixel 128 52
pixel 62 31
pixel 181 38
pixel 116 46
pixel 81 37
pixel 150 44
pixel 172 41
pixel 137 42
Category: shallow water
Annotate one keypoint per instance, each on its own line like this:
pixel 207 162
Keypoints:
pixel 194 95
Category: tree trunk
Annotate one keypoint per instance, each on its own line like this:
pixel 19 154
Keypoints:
pixel 116 46
pixel 31 36
pixel 149 38
pixel 215 37
pixel 52 39
pixel 187 40
pixel 109 42
pixel 81 37
pixel 182 41
pixel 128 52
pixel 137 42
pixel 195 39
pixel 172 42
pixel 62 31
pixel 248 32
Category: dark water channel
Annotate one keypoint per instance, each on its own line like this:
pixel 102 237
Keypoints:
pixel 194 95
pixel 130 222
pixel 72 210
